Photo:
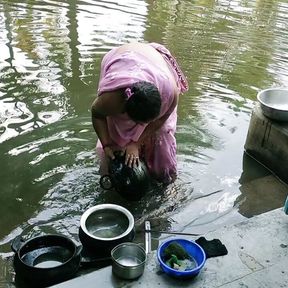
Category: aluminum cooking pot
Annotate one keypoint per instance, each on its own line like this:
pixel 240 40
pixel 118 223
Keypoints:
pixel 104 226
pixel 131 183
pixel 129 259
pixel 274 103
pixel 45 260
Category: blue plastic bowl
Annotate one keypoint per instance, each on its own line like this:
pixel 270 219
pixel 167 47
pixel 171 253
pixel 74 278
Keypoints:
pixel 192 248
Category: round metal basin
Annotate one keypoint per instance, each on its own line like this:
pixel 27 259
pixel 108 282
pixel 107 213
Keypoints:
pixel 274 103
pixel 104 226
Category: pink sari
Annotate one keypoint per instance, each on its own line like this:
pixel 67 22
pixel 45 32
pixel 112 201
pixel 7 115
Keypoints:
pixel 123 70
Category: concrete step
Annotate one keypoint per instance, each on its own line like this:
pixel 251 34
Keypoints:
pixel 257 257
pixel 267 142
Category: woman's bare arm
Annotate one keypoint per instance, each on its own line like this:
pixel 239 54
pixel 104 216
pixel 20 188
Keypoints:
pixel 108 104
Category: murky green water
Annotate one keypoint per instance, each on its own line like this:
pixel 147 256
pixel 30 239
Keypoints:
pixel 50 52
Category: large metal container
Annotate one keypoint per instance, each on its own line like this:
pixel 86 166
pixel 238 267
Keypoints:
pixel 274 103
pixel 104 226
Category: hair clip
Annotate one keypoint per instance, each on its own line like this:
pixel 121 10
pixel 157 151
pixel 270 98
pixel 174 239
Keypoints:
pixel 128 92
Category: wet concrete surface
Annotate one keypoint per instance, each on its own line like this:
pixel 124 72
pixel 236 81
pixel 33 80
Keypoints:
pixel 257 257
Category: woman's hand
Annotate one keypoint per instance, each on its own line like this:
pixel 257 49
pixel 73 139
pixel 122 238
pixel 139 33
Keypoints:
pixel 132 154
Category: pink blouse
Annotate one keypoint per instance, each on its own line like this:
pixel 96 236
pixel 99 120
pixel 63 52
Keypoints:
pixel 123 70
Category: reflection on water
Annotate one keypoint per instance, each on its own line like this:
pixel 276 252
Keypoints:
pixel 49 69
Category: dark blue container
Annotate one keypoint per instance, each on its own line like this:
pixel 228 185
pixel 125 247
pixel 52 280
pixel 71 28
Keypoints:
pixel 192 248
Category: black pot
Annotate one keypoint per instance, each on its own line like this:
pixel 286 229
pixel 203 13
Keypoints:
pixel 104 226
pixel 131 183
pixel 45 260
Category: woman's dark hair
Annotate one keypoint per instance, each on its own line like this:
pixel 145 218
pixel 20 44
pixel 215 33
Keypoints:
pixel 145 102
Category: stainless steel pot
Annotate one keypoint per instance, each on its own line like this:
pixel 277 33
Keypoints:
pixel 129 259
pixel 274 103
pixel 104 226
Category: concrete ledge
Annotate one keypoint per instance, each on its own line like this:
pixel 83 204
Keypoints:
pixel 267 142
pixel 257 257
